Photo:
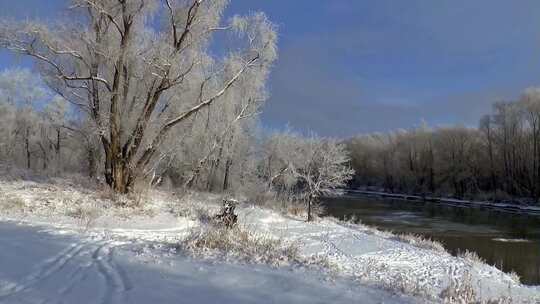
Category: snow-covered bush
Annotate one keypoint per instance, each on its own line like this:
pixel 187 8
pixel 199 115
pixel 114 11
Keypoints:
pixel 463 290
pixel 472 257
pixel 296 209
pixel 86 213
pixel 460 291
pixel 300 209
pixel 515 276
pixel 258 193
pixel 240 244
pixel 189 207
pixel 13 204
pixel 140 193
pixel 420 241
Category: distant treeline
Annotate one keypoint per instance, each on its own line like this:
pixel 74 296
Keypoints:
pixel 498 160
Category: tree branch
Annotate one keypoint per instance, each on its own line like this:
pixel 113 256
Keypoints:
pixel 145 158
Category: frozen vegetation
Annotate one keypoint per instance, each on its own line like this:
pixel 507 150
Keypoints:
pixel 143 98
pixel 62 241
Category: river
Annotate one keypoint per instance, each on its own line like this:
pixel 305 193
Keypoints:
pixel 509 241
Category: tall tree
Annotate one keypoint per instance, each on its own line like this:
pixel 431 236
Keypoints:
pixel 136 80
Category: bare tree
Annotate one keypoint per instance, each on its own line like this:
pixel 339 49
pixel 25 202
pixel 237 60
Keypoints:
pixel 138 81
pixel 20 91
pixel 317 166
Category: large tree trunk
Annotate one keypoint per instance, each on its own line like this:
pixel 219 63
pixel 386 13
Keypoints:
pixel 228 165
pixel 118 175
pixel 91 158
pixel 27 146
pixel 310 201
pixel 214 166
pixel 121 177
pixel 44 155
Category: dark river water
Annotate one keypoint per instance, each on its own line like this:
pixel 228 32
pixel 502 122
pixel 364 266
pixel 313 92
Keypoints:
pixel 511 242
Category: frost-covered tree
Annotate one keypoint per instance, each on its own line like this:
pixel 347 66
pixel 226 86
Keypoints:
pixel 20 93
pixel 53 132
pixel 314 166
pixel 7 129
pixel 38 129
pixel 138 79
pixel 500 159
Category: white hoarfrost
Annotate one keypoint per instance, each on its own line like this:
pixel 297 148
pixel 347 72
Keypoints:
pixel 381 259
pixel 83 246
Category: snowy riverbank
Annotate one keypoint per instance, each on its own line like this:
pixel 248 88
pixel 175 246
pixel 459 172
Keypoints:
pixel 356 254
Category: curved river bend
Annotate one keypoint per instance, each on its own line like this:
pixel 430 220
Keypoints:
pixel 509 241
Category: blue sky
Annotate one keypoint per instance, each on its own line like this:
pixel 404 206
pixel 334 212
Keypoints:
pixel 357 66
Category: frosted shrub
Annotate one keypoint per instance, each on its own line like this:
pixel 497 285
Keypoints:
pixel 140 193
pixel 515 277
pixel 460 291
pixel 296 209
pixel 408 285
pixel 352 220
pixel 258 193
pixel 13 204
pixel 192 210
pixel 318 209
pixel 107 194
pixel 239 243
pixel 86 213
pixel 472 257
pixel 420 242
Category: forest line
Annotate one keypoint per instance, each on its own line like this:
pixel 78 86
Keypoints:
pixel 498 160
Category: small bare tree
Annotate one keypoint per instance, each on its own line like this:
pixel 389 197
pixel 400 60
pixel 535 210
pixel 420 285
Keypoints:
pixel 136 80
pixel 317 166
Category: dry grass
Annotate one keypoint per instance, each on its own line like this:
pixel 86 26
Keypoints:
pixel 515 277
pixel 105 193
pixel 408 285
pixel 299 209
pixel 472 257
pixel 140 193
pixel 318 209
pixel 85 213
pixel 420 242
pixel 296 210
pixel 13 204
pixel 460 291
pixel 258 194
pixel 187 207
pixel 352 220
pixel 501 300
pixel 239 243
pixel 369 273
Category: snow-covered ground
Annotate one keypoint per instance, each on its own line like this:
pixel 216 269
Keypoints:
pixel 80 245
pixel 38 265
pixel 381 259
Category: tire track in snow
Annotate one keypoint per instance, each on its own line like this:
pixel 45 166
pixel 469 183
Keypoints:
pixel 44 271
pixel 77 276
pixel 126 282
pixel 115 280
